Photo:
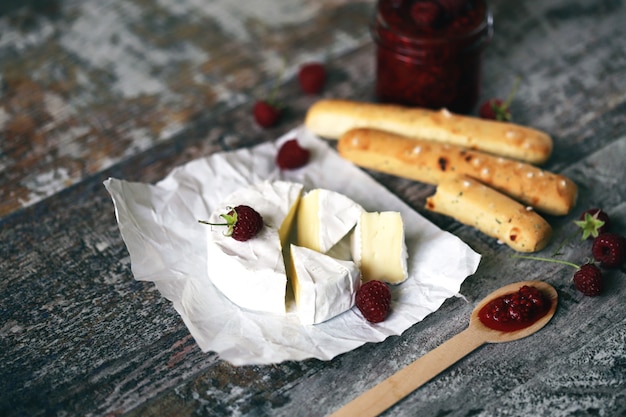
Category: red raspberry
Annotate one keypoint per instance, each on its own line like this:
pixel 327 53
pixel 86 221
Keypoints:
pixel 593 222
pixel 312 77
pixel 291 155
pixel 247 222
pixel 535 296
pixel 518 307
pixel 266 113
pixel 243 223
pixel 454 7
pixel 609 249
pixel 426 13
pixel 373 299
pixel 588 280
pixel 497 311
pixel 495 109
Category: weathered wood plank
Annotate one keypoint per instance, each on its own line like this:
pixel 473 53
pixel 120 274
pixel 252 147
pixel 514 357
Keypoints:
pixel 87 84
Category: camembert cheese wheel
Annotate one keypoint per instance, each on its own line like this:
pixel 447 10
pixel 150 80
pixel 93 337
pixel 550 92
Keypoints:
pixel 256 274
pixel 252 274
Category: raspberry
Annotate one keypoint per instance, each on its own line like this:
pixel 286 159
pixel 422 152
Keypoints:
pixel 426 13
pixel 247 222
pixel 518 307
pixel 373 299
pixel 454 7
pixel 588 280
pixel 243 223
pixel 266 113
pixel 312 77
pixel 534 296
pixel 291 155
pixel 593 222
pixel 495 109
pixel 497 311
pixel 520 312
pixel 609 249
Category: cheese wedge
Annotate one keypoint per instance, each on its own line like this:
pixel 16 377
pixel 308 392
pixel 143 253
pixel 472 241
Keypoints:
pixel 379 247
pixel 252 274
pixel 324 218
pixel 324 287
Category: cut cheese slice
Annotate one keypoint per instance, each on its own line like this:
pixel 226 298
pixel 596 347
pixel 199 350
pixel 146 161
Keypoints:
pixel 324 218
pixel 252 274
pixel 379 247
pixel 324 287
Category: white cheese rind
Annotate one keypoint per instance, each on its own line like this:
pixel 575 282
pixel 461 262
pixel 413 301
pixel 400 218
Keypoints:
pixel 324 218
pixel 252 274
pixel 378 247
pixel 324 287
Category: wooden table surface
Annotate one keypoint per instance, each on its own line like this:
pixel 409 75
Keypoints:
pixel 132 89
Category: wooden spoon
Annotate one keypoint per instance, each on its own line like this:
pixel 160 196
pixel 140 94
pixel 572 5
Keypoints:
pixel 393 389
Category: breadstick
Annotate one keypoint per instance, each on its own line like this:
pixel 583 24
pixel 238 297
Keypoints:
pixel 474 204
pixel 333 118
pixel 433 162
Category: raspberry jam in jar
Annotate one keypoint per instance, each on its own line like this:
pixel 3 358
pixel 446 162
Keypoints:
pixel 516 310
pixel 429 52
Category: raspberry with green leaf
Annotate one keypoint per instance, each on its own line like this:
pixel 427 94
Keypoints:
pixel 497 109
pixel 587 277
pixel 243 223
pixel 268 111
pixel 593 222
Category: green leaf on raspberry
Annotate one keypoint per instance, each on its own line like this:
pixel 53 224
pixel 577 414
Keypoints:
pixel 230 218
pixel 496 109
pixel 590 225
pixel 501 111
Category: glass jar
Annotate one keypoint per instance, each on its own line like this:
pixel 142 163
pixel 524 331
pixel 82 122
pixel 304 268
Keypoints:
pixel 436 64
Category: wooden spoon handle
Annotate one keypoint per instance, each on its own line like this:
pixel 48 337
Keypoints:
pixel 406 380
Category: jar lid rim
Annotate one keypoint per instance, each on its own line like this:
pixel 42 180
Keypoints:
pixel 380 26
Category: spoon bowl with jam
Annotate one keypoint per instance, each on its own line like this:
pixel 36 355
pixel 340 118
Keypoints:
pixel 509 313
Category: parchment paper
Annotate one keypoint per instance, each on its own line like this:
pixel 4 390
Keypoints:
pixel 159 225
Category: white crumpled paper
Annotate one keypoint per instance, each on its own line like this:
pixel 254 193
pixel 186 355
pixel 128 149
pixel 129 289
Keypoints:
pixel 159 225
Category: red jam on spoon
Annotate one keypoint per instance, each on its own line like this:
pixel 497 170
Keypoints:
pixel 515 311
